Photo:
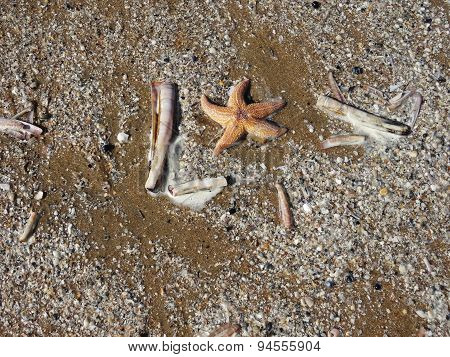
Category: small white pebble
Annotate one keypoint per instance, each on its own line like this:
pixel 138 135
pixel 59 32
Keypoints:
pixel 39 196
pixel 309 301
pixel 212 50
pixel 5 186
pixel 307 208
pixel 122 137
pixel 421 314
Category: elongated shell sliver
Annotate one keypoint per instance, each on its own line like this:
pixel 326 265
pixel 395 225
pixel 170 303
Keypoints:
pixel 284 209
pixel 360 117
pixel 205 184
pixel 163 110
pixel 19 129
pixel 343 140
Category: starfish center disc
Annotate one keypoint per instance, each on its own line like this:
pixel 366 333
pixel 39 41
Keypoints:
pixel 241 114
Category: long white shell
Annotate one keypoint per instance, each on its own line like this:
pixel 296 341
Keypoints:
pixel 205 184
pixel 360 117
pixel 163 110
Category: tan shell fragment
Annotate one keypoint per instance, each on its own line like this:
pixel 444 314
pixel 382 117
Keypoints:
pixel 29 227
pixel 226 330
pixel 284 208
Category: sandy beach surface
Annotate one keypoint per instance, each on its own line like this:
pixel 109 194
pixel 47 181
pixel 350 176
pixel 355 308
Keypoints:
pixel 369 251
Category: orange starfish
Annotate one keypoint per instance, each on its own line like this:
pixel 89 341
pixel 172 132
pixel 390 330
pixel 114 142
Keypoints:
pixel 239 118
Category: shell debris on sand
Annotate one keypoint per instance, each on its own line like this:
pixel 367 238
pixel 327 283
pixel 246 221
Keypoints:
pixel 30 227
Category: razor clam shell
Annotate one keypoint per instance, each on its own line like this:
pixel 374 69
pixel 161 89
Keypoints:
pixel 19 129
pixel 284 208
pixel 198 185
pixel 343 140
pixel 357 116
pixel 163 110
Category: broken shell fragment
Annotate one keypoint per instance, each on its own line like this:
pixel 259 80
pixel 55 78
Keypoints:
pixel 342 140
pixel 284 209
pixel 163 110
pixel 122 137
pixel 360 117
pixel 19 129
pixel 205 184
pixel 226 330
pixel 335 88
pixel 29 227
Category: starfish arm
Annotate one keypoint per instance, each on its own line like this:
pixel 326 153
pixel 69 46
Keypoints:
pixel 263 110
pixel 233 133
pixel 263 129
pixel 237 94
pixel 221 115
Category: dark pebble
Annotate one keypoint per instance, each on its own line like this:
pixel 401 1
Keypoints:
pixel 357 70
pixel 194 58
pixel 108 147
pixel 167 59
pixel 330 283
pixel 269 328
pixel 377 286
pixel 232 210
pixel 350 278
pixel 441 79
pixel 316 4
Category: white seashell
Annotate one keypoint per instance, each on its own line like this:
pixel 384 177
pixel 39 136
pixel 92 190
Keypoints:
pixel 307 208
pixel 343 140
pixel 163 110
pixel 284 208
pixel 39 196
pixel 122 137
pixel 206 184
pixel 5 187
pixel 360 117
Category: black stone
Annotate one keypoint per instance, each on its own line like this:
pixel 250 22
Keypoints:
pixel 315 4
pixel 357 70
pixel 349 277
pixel 108 147
pixel 377 286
